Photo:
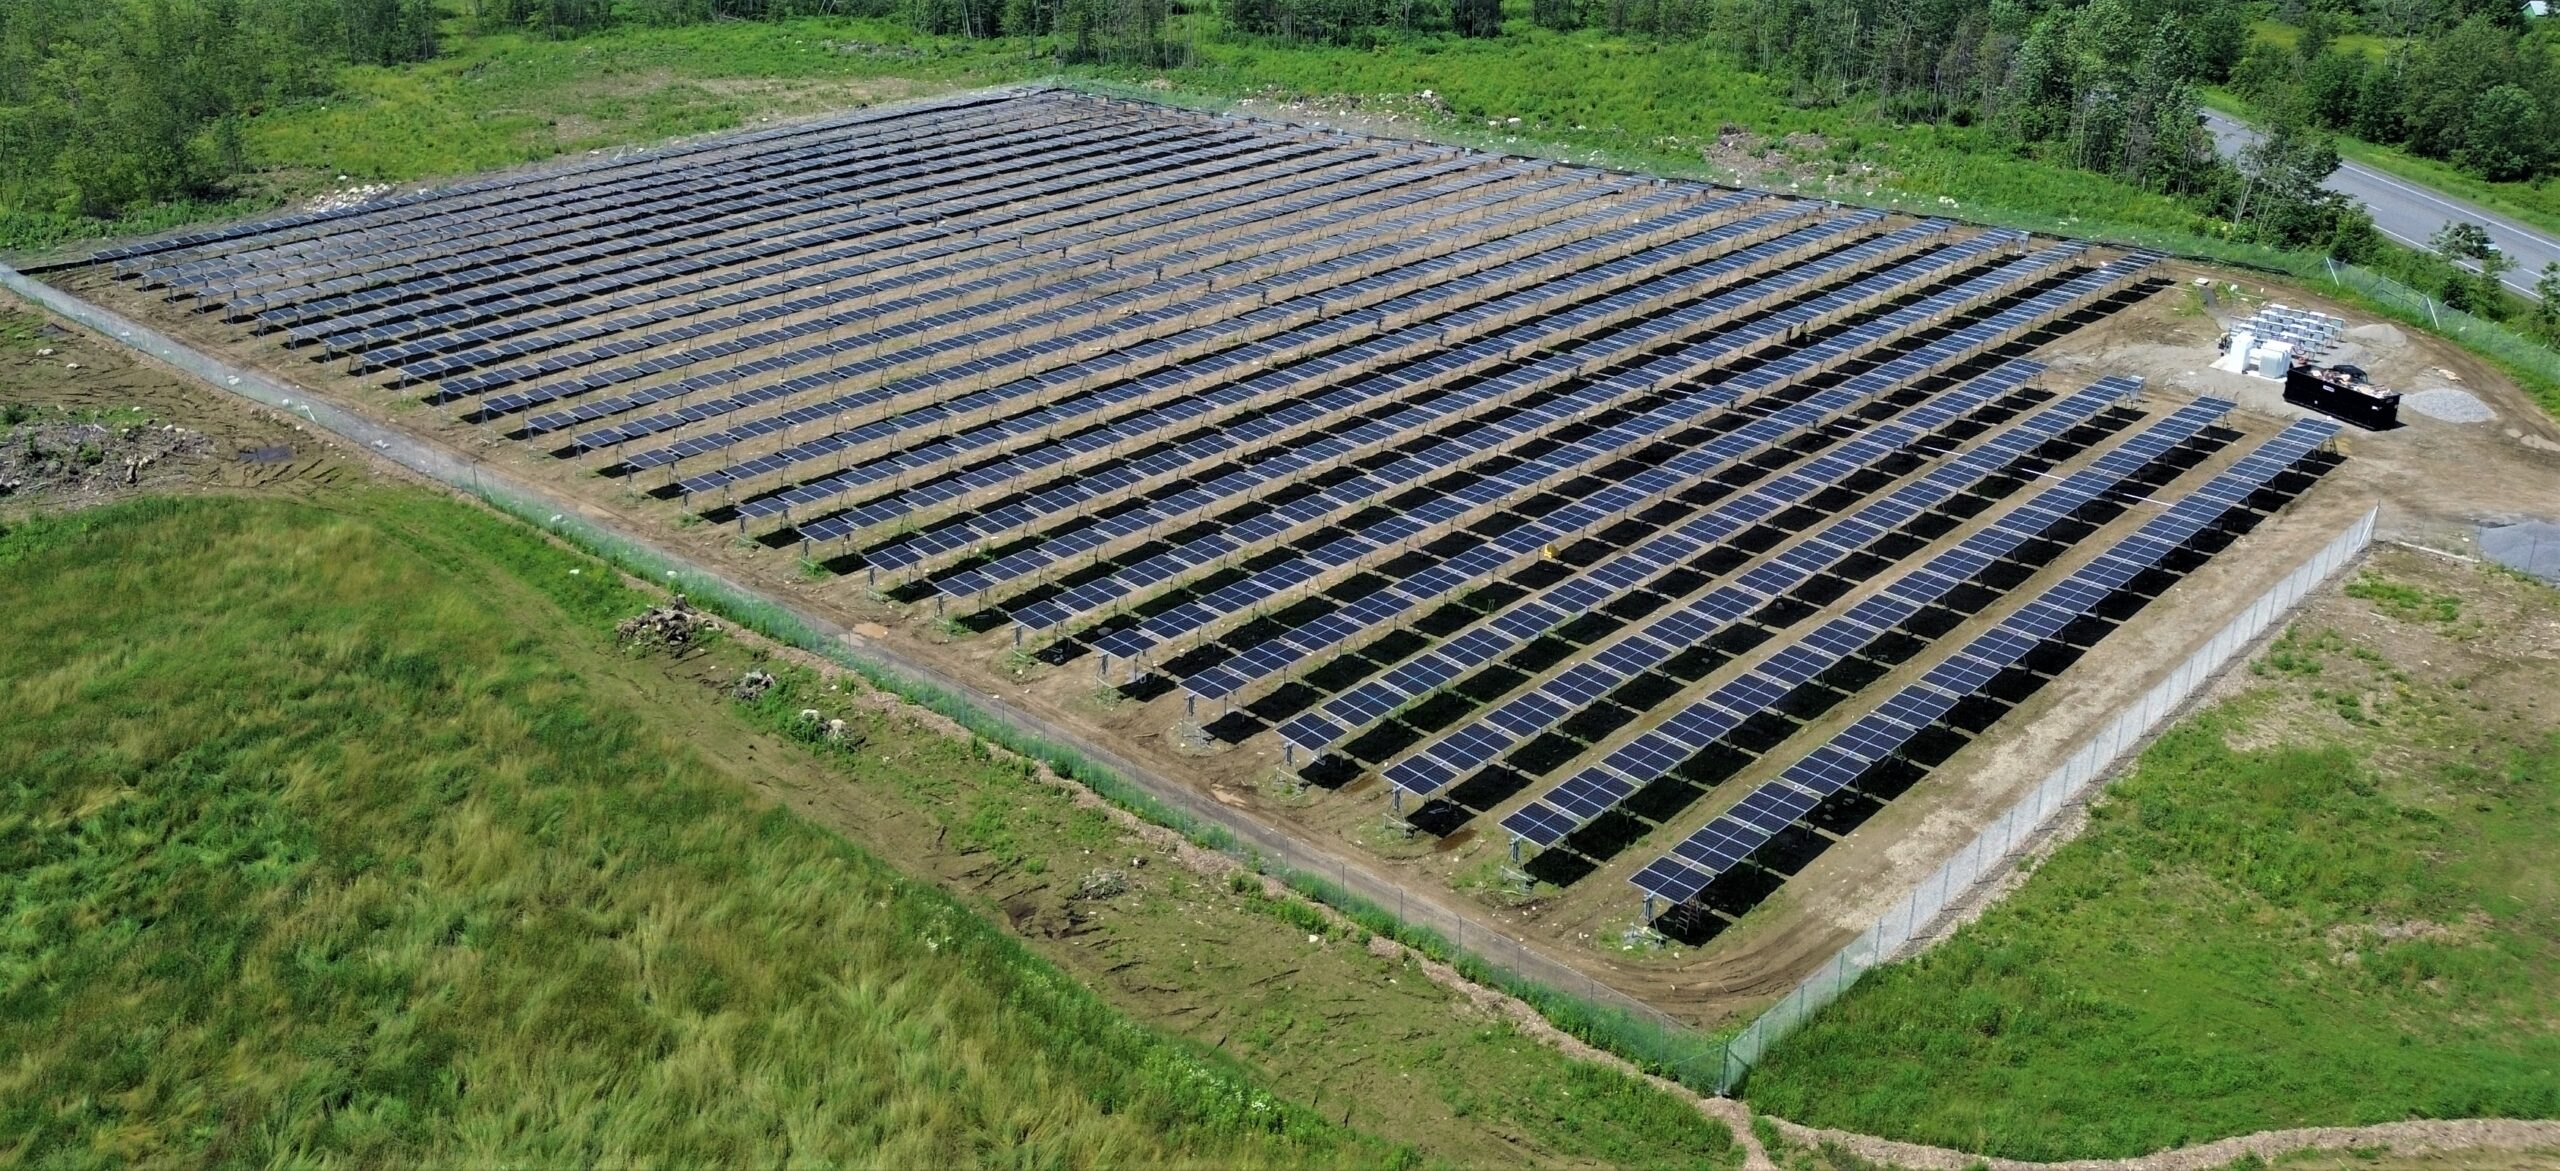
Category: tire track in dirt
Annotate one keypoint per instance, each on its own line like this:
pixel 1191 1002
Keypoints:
pixel 2414 1137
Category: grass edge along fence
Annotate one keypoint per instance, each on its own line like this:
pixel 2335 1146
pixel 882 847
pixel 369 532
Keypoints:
pixel 1987 854
pixel 2535 365
pixel 1602 1017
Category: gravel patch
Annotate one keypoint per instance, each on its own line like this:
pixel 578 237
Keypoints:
pixel 2532 547
pixel 2380 335
pixel 2450 405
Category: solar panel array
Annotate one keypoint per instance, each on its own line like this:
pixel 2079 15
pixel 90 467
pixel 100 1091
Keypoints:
pixel 1608 472
pixel 1723 843
pixel 1643 563
pixel 1724 711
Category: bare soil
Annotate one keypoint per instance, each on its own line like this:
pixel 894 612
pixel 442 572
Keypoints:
pixel 77 392
pixel 76 457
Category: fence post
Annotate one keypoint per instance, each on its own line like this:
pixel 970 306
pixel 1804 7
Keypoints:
pixel 2080 770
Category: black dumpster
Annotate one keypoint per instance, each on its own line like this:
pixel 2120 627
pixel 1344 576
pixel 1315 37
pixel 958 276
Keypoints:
pixel 2343 393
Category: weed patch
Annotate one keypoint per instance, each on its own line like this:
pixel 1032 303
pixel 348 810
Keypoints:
pixel 2244 939
pixel 318 843
pixel 2408 603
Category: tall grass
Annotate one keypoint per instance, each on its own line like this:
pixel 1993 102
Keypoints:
pixel 321 841
pixel 1652 1042
pixel 2244 939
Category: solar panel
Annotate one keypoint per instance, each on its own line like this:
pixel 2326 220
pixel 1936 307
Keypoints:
pixel 1054 328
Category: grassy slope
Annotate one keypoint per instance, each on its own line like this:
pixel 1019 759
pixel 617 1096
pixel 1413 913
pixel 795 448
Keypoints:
pixel 2349 917
pixel 1368 1038
pixel 499 100
pixel 1655 104
pixel 559 895
pixel 316 842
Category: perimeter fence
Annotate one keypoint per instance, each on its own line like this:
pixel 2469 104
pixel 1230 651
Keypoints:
pixel 1984 857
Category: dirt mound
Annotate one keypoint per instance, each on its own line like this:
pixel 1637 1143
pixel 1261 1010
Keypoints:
pixel 2381 335
pixel 672 625
pixel 78 457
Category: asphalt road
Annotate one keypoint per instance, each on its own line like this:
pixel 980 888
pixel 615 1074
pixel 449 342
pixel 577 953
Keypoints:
pixel 2409 213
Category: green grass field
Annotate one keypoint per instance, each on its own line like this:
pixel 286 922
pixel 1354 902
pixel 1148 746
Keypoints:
pixel 343 832
pixel 503 99
pixel 320 843
pixel 1656 104
pixel 2282 35
pixel 2327 901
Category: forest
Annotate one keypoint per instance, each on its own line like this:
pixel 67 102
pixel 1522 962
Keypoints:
pixel 117 107
pixel 2462 83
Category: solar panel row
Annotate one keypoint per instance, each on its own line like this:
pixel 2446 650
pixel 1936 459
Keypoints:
pixel 369 298
pixel 1418 360
pixel 1343 715
pixel 1724 842
pixel 1031 241
pixel 1562 527
pixel 1451 313
pixel 960 362
pixel 1426 284
pixel 1435 764
pixel 1524 376
pixel 1415 519
pixel 402 252
pixel 1451 447
pixel 1653 754
pixel 541 281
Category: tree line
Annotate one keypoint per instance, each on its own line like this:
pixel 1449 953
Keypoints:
pixel 2466 82
pixel 2109 86
pixel 108 104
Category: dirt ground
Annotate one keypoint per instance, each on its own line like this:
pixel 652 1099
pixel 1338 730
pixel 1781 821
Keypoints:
pixel 2415 1146
pixel 62 390
pixel 2432 479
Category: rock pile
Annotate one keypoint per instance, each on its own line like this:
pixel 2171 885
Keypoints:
pixel 672 625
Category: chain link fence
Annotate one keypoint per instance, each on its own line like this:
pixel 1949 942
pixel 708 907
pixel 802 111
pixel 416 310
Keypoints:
pixel 2416 308
pixel 1913 916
